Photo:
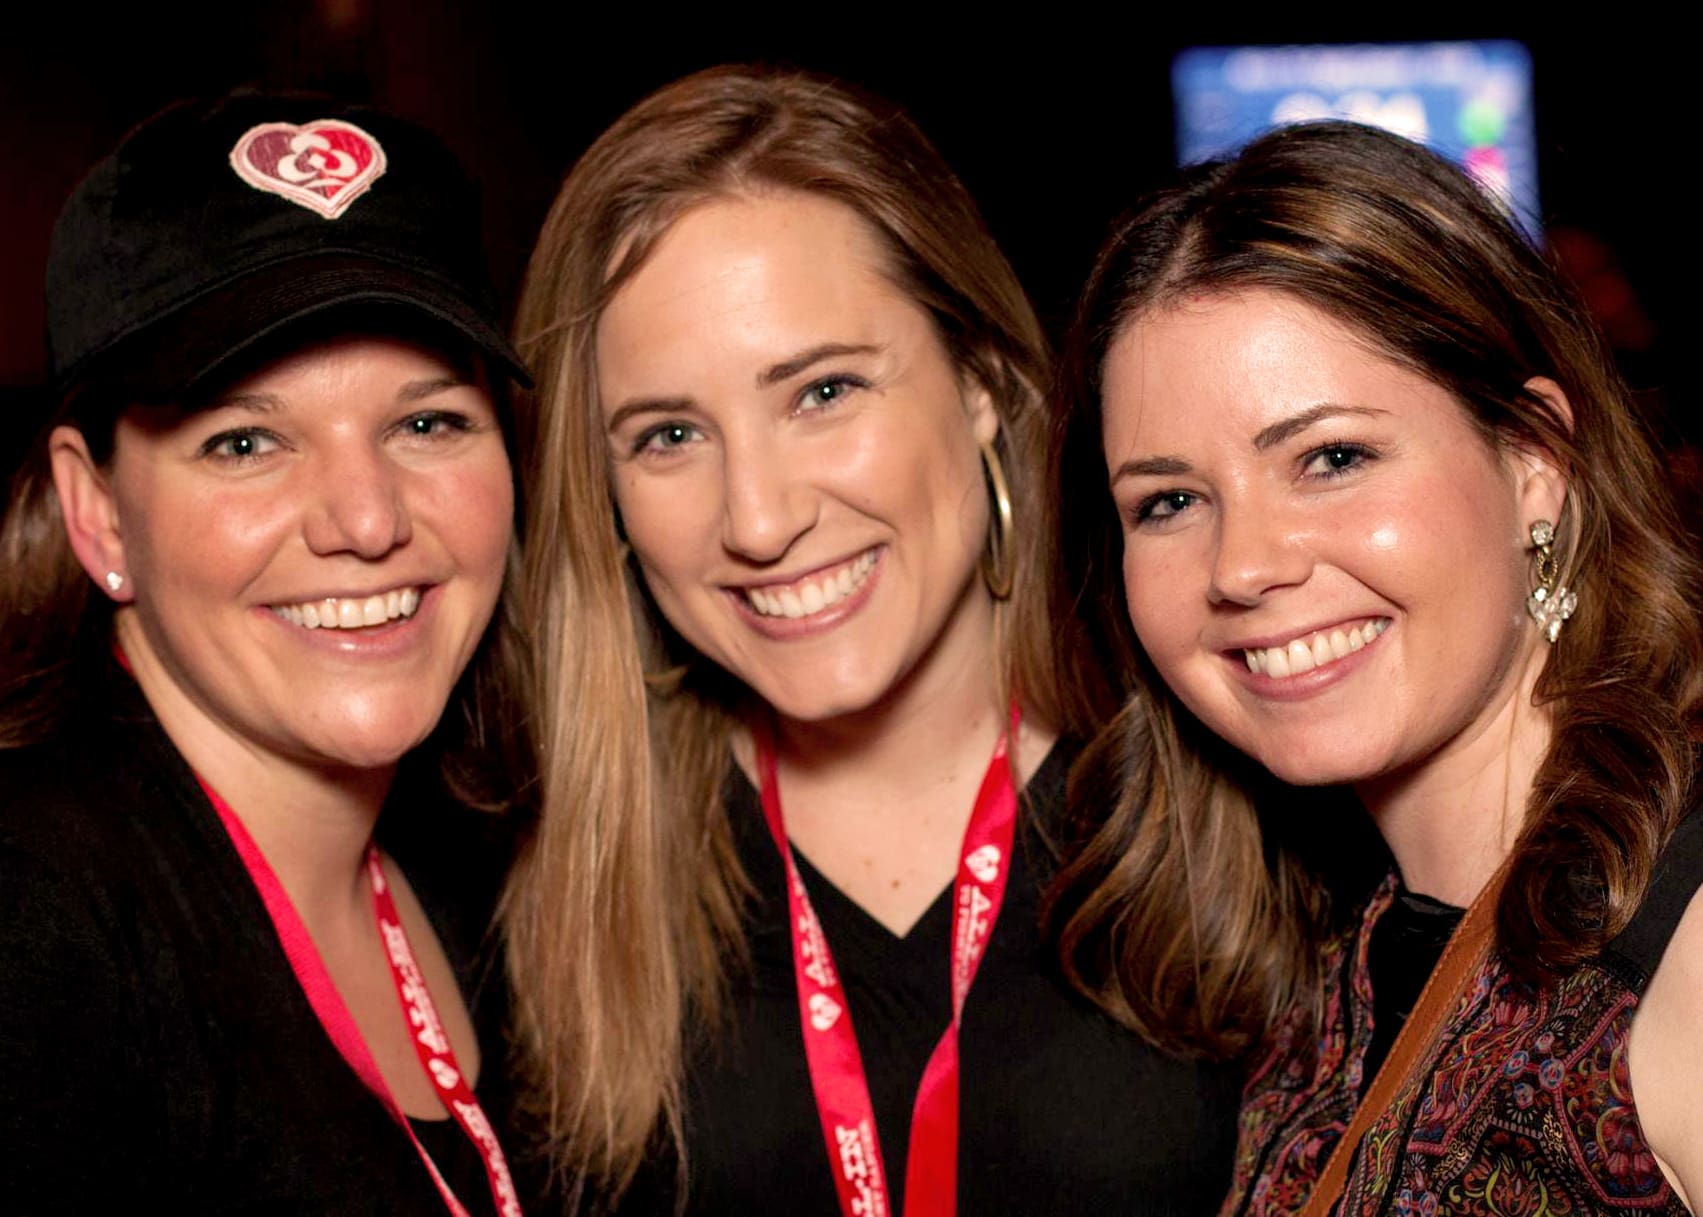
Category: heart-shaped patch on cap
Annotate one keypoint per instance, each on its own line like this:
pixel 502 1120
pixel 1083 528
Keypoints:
pixel 323 165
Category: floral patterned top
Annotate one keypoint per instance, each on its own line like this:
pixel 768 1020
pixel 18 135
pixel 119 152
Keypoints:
pixel 1525 1104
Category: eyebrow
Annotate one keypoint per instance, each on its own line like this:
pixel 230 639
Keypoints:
pixel 645 405
pixel 271 403
pixel 768 377
pixel 1152 466
pixel 1276 433
pixel 419 390
pixel 1285 428
pixel 788 368
pixel 254 403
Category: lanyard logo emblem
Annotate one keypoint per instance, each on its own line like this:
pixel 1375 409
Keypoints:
pixel 824 1011
pixel 984 863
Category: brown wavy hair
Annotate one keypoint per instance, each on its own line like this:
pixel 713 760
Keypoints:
pixel 624 911
pixel 1191 913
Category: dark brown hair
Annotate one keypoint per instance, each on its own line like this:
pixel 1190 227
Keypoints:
pixel 1185 914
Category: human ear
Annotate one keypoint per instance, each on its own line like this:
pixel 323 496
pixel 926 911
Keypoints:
pixel 978 407
pixel 1542 482
pixel 89 512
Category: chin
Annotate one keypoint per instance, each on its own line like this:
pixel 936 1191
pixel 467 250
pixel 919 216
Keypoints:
pixel 1313 762
pixel 367 745
pixel 818 703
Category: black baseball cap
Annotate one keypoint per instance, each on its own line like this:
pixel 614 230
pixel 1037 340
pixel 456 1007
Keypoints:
pixel 217 227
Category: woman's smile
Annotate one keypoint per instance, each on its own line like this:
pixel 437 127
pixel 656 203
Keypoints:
pixel 351 612
pixel 795 455
pixel 1322 556
pixel 315 555
pixel 1314 649
pixel 813 593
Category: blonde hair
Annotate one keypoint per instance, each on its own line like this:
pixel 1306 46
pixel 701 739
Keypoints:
pixel 625 907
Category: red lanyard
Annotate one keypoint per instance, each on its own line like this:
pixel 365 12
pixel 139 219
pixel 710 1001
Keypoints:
pixel 437 1058
pixel 830 1045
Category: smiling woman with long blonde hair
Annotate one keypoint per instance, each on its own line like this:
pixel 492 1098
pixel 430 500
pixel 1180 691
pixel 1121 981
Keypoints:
pixel 789 549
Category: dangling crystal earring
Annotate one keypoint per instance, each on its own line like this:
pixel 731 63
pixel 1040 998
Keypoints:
pixel 1550 604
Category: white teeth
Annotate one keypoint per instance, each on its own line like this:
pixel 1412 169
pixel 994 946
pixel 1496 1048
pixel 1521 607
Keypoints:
pixel 1304 654
pixel 809 597
pixel 346 614
pixel 1300 658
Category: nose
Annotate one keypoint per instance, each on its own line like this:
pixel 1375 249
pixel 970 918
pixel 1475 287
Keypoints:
pixel 767 500
pixel 1258 550
pixel 357 505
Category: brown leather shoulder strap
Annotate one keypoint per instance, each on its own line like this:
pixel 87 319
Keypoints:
pixel 1459 963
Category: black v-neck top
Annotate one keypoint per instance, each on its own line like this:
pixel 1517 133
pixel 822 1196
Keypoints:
pixel 1061 1110
pixel 156 1050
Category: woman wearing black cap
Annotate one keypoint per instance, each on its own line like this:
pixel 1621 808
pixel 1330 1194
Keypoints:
pixel 254 554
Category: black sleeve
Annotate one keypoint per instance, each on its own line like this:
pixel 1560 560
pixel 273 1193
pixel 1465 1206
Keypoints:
pixel 71 1140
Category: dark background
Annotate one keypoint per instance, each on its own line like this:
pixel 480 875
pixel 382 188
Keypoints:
pixel 1054 122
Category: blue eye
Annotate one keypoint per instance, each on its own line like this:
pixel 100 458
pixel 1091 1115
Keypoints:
pixel 1163 506
pixel 429 424
pixel 244 444
pixel 1333 460
pixel 828 390
pixel 665 436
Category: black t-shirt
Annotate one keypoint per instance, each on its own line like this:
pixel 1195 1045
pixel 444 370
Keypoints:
pixel 156 1050
pixel 1061 1110
pixel 1406 944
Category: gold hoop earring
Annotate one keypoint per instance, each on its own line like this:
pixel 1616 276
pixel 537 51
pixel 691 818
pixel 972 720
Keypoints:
pixel 999 564
pixel 1550 604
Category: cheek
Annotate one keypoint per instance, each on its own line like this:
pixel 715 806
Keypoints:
pixel 1155 597
pixel 206 542
pixel 667 522
pixel 921 471
pixel 1440 538
pixel 476 506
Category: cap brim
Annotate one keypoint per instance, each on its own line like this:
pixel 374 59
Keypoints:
pixel 212 335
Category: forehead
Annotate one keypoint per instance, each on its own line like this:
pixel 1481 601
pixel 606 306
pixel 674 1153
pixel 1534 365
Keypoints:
pixel 317 359
pixel 1229 365
pixel 751 275
pixel 349 376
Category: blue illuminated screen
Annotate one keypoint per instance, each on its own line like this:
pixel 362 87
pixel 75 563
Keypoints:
pixel 1471 101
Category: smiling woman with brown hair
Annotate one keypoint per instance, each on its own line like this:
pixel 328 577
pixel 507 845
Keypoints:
pixel 255 553
pixel 788 544
pixel 1358 504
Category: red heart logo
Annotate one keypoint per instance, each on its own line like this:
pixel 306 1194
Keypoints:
pixel 323 165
